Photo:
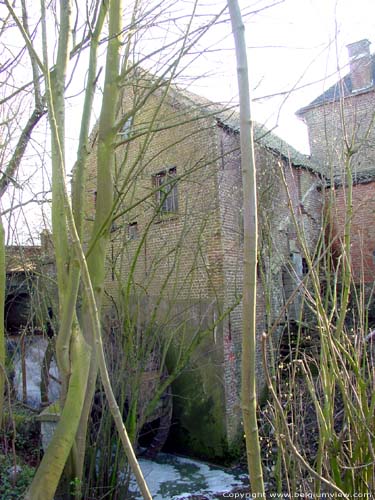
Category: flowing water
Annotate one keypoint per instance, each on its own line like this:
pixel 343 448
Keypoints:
pixel 35 348
pixel 168 476
pixel 173 477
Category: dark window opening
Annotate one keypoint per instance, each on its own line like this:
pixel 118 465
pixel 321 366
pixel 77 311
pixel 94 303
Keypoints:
pixel 17 312
pixel 305 267
pixel 167 195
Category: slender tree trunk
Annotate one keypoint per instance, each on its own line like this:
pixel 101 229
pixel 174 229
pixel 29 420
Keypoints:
pixel 48 474
pixel 72 352
pixel 248 388
pixel 104 203
pixel 2 326
pixel 78 197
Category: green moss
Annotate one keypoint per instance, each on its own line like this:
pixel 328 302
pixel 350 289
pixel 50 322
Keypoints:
pixel 27 435
pixel 199 414
pixel 24 420
pixel 199 425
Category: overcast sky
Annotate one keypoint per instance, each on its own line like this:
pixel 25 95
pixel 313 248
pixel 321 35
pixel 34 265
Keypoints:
pixel 290 45
pixel 293 44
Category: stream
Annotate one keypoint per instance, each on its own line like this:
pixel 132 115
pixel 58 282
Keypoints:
pixel 173 477
pixel 168 476
pixel 34 350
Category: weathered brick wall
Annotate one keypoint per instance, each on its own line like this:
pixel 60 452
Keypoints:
pixel 276 232
pixel 231 221
pixel 173 263
pixel 362 229
pixel 189 264
pixel 332 124
pixel 329 125
pixel 185 245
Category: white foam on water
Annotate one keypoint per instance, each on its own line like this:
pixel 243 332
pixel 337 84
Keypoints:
pixel 35 348
pixel 177 478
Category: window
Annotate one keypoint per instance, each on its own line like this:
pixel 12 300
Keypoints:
pixel 299 264
pixel 305 267
pixel 166 196
pixel 133 231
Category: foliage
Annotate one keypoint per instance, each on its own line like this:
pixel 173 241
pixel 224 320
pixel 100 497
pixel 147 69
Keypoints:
pixel 19 452
pixel 14 488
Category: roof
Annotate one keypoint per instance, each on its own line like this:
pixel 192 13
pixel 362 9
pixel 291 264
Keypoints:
pixel 22 259
pixel 227 116
pixel 363 177
pixel 271 141
pixel 341 89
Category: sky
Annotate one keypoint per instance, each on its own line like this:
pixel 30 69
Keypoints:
pixel 292 44
pixel 296 44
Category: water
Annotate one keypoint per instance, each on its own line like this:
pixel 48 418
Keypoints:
pixel 35 348
pixel 173 477
pixel 168 476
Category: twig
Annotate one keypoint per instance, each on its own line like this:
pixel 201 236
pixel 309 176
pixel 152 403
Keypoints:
pixel 287 436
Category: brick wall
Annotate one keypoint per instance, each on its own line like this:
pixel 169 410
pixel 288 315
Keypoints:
pixel 276 232
pixel 362 229
pixel 171 267
pixel 184 245
pixel 331 124
pixel 189 263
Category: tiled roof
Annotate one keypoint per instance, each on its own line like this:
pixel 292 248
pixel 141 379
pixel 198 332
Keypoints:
pixel 227 116
pixel 363 177
pixel 271 141
pixel 342 88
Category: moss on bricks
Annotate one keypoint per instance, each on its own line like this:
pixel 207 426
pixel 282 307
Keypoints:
pixel 199 414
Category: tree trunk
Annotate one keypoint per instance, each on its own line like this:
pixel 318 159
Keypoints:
pixel 48 474
pixel 2 326
pixel 248 387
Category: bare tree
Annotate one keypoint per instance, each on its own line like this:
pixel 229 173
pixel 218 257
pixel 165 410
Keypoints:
pixel 248 391
pixel 79 349
pixel 12 117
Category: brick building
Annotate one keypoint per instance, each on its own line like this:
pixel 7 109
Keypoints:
pixel 175 256
pixel 342 138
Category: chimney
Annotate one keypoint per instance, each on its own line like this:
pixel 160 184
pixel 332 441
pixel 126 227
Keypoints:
pixel 360 65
